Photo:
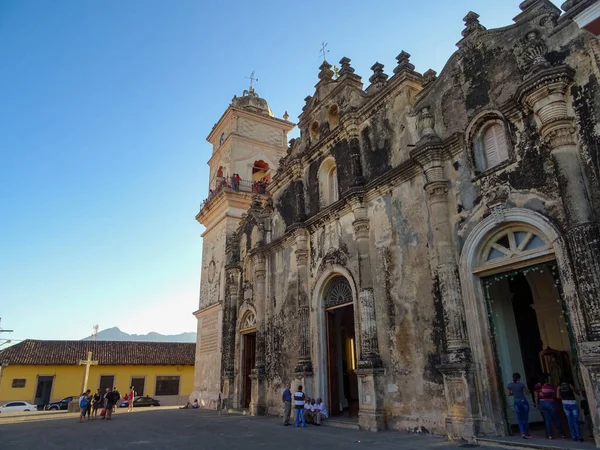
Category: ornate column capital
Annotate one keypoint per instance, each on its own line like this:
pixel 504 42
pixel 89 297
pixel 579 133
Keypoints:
pixel 301 257
pixel 361 228
pixel 259 266
pixel 430 156
pixel 436 189
pixel 545 94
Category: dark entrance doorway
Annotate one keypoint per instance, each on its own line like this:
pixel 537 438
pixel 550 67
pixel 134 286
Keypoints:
pixel 341 361
pixel 106 381
pixel 43 390
pixel 138 384
pixel 531 332
pixel 248 358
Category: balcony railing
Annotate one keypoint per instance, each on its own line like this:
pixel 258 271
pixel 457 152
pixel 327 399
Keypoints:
pixel 231 184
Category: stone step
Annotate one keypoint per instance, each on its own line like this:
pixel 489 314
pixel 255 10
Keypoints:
pixel 541 444
pixel 341 423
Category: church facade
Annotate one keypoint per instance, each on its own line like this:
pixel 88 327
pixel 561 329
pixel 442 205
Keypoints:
pixel 425 237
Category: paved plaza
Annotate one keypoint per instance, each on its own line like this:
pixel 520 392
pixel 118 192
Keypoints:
pixel 175 429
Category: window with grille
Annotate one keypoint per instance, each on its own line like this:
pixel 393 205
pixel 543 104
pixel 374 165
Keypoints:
pixel 167 385
pixel 18 382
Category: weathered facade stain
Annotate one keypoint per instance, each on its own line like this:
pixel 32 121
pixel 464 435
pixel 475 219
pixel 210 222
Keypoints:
pixel 428 169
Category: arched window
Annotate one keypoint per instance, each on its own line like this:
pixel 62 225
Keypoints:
pixel 328 182
pixel 494 145
pixel 490 141
pixel 333 184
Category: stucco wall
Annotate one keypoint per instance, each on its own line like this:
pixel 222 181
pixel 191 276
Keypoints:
pixel 68 380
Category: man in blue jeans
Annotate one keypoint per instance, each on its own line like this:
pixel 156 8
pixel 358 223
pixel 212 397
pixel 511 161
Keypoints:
pixel 299 405
pixel 286 397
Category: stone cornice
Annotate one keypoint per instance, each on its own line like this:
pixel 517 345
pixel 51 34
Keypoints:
pixel 348 127
pixel 232 112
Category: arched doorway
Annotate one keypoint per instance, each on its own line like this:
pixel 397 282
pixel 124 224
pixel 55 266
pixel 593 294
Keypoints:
pixel 516 311
pixel 248 349
pixel 341 348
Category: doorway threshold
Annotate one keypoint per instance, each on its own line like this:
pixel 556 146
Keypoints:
pixel 342 422
pixel 515 442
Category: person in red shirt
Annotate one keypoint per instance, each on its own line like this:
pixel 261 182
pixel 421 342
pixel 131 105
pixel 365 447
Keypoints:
pixel 131 396
pixel 545 396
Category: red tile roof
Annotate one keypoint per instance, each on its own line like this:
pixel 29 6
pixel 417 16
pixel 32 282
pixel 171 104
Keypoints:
pixel 32 352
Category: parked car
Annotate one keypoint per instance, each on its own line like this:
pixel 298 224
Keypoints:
pixel 61 404
pixel 17 407
pixel 141 401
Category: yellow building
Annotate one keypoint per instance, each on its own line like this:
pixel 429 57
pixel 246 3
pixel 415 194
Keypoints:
pixel 41 372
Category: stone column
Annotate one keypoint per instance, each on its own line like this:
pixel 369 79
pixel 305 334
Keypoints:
pixel 371 415
pixel 456 356
pixel 355 155
pixel 544 93
pixel 304 369
pixel 229 331
pixel 258 401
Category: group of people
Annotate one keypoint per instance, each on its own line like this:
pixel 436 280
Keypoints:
pixel 307 410
pixel 546 397
pixel 106 402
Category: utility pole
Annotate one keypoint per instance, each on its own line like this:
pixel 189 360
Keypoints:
pixel 3 330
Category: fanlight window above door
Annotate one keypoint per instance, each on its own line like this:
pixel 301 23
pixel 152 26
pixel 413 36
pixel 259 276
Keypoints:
pixel 514 244
pixel 248 322
pixel 338 292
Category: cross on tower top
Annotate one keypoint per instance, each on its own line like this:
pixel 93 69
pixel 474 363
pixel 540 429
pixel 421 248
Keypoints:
pixel 323 51
pixel 252 79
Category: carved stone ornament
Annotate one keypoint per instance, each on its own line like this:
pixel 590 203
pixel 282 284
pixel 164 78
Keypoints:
pixel 425 122
pixel 404 62
pixel 429 77
pixel 346 67
pixel 378 75
pixel 472 24
pixel 531 53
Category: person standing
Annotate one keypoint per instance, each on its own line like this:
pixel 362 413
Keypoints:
pixel 299 405
pixel 111 400
pixel 131 397
pixel 88 408
pixel 83 401
pixel 96 403
pixel 286 397
pixel 117 398
pixel 566 392
pixel 546 401
pixel 518 390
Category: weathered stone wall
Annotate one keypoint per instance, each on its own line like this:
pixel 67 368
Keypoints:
pixel 411 193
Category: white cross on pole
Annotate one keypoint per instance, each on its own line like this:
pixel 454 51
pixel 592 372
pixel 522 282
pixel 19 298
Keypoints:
pixel 87 363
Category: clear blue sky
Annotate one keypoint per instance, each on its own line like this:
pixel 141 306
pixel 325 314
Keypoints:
pixel 104 110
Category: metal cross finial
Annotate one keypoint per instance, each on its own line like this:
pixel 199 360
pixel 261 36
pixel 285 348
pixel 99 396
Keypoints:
pixel 324 51
pixel 252 79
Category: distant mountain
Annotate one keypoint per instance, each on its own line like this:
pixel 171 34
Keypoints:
pixel 114 334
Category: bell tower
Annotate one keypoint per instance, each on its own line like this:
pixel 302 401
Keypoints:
pixel 247 143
